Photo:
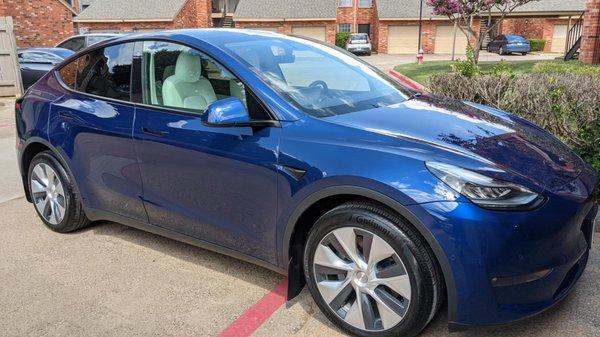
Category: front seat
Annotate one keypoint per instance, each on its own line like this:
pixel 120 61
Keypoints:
pixel 187 88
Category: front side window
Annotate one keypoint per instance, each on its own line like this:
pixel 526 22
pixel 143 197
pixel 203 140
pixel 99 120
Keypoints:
pixel 345 28
pixel 74 44
pixel 106 72
pixel 345 3
pixel 317 79
pixel 181 77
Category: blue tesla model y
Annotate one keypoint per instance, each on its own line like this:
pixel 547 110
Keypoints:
pixel 301 158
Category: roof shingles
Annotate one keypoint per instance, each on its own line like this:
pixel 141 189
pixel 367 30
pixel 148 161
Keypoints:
pixel 286 9
pixel 125 10
pixel 401 9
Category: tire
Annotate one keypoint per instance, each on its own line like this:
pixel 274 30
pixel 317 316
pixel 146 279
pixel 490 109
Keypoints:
pixel 524 54
pixel 409 281
pixel 501 51
pixel 54 195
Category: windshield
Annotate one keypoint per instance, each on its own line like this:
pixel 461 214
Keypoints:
pixel 358 39
pixel 317 79
pixel 63 53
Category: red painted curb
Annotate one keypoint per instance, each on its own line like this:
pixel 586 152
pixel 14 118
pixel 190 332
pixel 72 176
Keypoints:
pixel 257 314
pixel 407 82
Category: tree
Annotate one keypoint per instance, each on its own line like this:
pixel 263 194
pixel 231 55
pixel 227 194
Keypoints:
pixel 463 12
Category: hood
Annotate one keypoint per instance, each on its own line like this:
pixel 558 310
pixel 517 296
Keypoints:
pixel 511 143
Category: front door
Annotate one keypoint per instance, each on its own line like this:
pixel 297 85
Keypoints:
pixel 365 28
pixel 217 184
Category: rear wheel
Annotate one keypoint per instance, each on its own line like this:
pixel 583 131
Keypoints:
pixel 501 51
pixel 371 273
pixel 53 194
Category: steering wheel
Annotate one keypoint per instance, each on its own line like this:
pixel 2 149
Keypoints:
pixel 324 88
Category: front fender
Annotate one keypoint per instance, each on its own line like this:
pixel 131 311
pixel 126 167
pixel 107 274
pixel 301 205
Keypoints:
pixel 386 196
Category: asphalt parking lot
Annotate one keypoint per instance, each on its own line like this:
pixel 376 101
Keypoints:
pixel 113 280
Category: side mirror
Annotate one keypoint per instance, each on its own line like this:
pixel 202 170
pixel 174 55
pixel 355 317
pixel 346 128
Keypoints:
pixel 226 112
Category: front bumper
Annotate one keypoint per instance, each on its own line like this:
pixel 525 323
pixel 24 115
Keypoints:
pixel 508 266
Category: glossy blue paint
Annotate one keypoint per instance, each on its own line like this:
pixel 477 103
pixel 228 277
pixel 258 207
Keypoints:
pixel 228 185
pixel 225 112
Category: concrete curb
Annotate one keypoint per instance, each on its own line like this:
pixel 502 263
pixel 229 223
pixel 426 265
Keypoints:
pixel 407 82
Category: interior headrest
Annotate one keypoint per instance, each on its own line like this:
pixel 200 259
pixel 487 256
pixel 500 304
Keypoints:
pixel 189 67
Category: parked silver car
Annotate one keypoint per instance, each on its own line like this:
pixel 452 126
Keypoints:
pixel 359 43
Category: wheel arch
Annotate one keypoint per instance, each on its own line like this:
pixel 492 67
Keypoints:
pixel 34 146
pixel 315 205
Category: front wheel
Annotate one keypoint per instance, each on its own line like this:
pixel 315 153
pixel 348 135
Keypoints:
pixel 371 273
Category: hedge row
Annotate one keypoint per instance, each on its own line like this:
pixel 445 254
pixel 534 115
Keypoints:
pixel 567 105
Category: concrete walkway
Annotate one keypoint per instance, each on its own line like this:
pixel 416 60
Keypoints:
pixel 389 61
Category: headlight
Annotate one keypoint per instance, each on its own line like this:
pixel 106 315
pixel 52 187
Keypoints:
pixel 485 191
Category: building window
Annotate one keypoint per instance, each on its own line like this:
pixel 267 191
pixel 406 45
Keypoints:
pixel 345 3
pixel 345 28
pixel 365 3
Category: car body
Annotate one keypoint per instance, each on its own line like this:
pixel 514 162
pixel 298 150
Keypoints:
pixel 252 184
pixel 508 44
pixel 359 43
pixel 36 62
pixel 79 42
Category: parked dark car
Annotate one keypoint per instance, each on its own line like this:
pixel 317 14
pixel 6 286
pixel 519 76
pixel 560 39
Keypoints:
pixel 305 159
pixel 508 44
pixel 78 42
pixel 36 62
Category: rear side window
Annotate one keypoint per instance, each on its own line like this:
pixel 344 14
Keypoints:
pixel 106 72
pixel 68 74
pixel 74 44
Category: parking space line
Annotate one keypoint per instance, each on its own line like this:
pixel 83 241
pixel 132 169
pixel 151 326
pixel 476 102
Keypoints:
pixel 257 314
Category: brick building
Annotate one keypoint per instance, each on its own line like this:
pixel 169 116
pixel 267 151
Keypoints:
pixel 40 23
pixel 590 44
pixel 394 24
pixel 142 15
pixel 548 19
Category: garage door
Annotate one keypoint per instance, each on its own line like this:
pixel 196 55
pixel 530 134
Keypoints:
pixel 403 39
pixel 559 39
pixel 317 33
pixel 444 39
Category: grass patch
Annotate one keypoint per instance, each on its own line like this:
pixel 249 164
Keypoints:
pixel 421 73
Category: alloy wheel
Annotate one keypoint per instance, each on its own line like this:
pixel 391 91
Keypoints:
pixel 48 193
pixel 362 279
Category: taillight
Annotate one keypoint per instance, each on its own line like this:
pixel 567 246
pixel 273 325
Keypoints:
pixel 18 104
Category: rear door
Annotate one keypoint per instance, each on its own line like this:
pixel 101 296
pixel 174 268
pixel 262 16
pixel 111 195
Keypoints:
pixel 91 125
pixel 217 184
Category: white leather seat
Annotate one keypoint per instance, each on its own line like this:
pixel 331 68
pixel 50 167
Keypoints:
pixel 187 88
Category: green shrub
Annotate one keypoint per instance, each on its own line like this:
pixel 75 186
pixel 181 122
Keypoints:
pixel 466 67
pixel 502 68
pixel 566 105
pixel 341 38
pixel 572 67
pixel 537 44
